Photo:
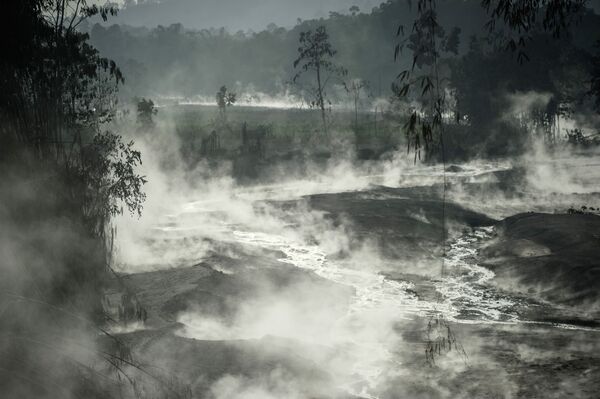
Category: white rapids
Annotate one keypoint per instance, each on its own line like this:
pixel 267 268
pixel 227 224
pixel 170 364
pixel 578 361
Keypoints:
pixel 463 289
pixel 465 285
pixel 464 298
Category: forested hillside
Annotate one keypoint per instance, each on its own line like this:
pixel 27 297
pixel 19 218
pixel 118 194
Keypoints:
pixel 175 60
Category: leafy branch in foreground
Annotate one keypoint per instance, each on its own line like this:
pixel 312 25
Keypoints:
pixel 523 17
pixel 64 178
pixel 112 175
pixel 441 339
pixel 425 126
pixel 423 81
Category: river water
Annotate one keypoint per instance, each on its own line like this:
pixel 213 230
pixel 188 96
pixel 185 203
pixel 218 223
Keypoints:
pixel 365 330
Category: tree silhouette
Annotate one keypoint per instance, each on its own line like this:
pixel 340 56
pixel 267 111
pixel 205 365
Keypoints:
pixel 523 17
pixel 425 129
pixel 145 111
pixel 57 100
pixel 595 81
pixel 355 88
pixel 314 56
pixel 423 80
pixel 225 98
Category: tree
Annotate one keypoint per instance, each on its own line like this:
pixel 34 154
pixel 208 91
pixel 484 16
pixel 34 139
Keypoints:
pixel 426 129
pixel 58 96
pixel 145 111
pixel 355 88
pixel 57 100
pixel 595 80
pixel 53 75
pixel 523 17
pixel 225 98
pixel 314 56
pixel 424 81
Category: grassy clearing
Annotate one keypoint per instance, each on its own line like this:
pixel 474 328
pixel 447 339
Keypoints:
pixel 284 130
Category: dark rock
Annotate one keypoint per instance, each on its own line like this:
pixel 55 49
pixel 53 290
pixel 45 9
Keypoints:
pixel 556 256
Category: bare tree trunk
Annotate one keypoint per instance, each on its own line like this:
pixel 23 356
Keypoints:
pixel 375 120
pixel 356 111
pixel 320 99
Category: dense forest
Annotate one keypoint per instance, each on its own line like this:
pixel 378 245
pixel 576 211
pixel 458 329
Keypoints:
pixel 175 60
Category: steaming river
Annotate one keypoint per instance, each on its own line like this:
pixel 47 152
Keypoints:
pixel 465 298
pixel 463 295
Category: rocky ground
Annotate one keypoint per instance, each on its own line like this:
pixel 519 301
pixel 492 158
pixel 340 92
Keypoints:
pixel 553 256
